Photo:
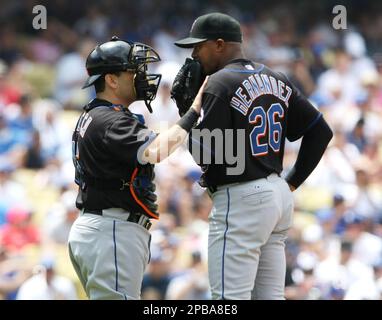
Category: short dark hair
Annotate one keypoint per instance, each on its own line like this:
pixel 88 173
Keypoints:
pixel 99 85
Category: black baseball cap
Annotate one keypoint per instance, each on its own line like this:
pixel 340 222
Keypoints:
pixel 212 26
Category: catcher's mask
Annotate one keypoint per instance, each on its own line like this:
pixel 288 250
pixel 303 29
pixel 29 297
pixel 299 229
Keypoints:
pixel 119 55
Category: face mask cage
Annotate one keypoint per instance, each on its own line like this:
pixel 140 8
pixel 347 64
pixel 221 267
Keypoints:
pixel 146 85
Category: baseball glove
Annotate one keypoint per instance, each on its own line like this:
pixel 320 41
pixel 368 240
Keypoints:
pixel 186 85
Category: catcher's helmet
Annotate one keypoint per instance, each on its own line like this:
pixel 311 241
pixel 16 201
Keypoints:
pixel 119 55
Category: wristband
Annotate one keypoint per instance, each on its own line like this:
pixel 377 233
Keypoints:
pixel 188 120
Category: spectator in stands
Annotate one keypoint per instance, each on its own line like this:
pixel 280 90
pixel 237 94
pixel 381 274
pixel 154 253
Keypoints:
pixel 46 284
pixel 14 270
pixel 19 230
pixel 192 283
pixel 158 276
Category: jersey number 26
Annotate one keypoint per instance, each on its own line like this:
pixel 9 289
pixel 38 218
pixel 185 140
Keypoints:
pixel 262 121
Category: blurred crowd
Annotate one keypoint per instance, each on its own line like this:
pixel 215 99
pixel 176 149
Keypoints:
pixel 334 249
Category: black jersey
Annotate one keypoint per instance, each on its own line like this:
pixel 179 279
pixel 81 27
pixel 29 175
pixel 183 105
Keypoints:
pixel 108 140
pixel 250 110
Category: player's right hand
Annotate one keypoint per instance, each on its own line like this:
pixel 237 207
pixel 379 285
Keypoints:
pixel 197 104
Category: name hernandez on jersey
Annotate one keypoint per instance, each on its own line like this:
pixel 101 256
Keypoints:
pixel 261 108
pixel 255 86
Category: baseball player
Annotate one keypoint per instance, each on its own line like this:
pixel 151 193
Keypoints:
pixel 252 210
pixel 113 154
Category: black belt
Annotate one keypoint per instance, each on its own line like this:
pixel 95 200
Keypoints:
pixel 132 217
pixel 107 184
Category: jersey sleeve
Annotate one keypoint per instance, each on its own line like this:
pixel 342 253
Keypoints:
pixel 125 136
pixel 302 115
